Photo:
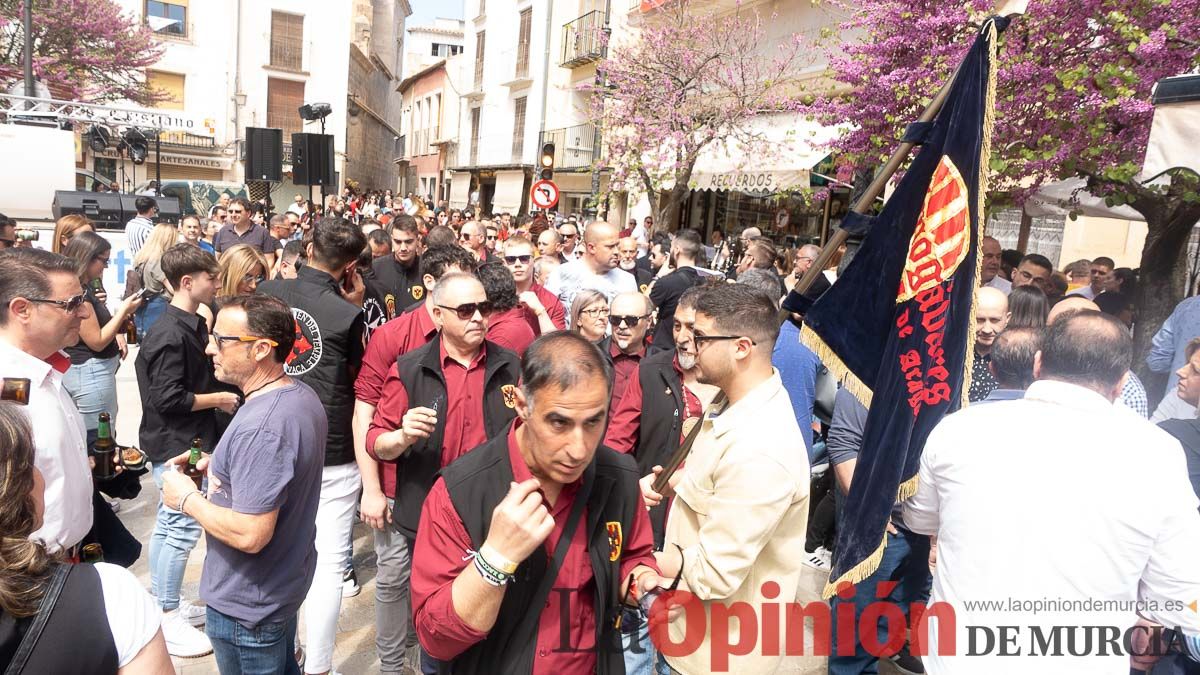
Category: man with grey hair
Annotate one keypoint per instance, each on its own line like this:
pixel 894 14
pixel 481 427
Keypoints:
pixel 629 313
pixel 1012 362
pixel 472 237
pixel 1081 501
pixel 543 268
pixel 762 280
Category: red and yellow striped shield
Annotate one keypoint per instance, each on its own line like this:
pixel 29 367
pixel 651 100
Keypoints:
pixel 940 240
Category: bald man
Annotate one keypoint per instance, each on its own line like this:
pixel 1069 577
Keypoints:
pixel 1133 392
pixel 989 273
pixel 597 270
pixel 991 317
pixel 630 317
pixel 472 237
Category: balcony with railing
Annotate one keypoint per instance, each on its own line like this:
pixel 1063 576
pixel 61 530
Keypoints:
pixel 576 147
pixel 183 139
pixel 583 40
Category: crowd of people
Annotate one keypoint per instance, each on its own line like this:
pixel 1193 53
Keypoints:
pixel 502 400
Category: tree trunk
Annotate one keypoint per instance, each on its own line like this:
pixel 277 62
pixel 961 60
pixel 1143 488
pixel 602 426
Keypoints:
pixel 1163 280
pixel 670 203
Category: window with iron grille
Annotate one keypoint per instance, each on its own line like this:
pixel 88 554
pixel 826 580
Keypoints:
pixel 287 40
pixel 284 98
pixel 518 147
pixel 523 43
pixel 479 45
pixel 167 18
pixel 474 136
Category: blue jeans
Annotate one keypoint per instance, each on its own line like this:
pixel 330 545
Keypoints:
pixel 147 314
pixel 641 658
pixel 905 561
pixel 267 649
pixel 175 535
pixel 93 386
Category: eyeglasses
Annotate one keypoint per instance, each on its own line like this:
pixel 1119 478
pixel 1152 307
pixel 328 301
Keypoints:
pixel 223 340
pixel 234 211
pixel 700 340
pixel 69 305
pixel 100 259
pixel 256 278
pixel 464 237
pixel 617 320
pixel 467 310
pixel 595 312
pixel 514 259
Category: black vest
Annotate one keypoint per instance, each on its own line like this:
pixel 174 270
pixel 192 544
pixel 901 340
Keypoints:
pixel 328 350
pixel 476 484
pixel 80 611
pixel 420 372
pixel 403 287
pixel 663 411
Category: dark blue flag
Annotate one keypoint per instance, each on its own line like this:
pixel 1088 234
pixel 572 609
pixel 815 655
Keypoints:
pixel 897 327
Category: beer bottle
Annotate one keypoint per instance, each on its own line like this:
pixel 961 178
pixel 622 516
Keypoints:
pixel 193 459
pixel 104 448
pixel 130 332
pixel 92 553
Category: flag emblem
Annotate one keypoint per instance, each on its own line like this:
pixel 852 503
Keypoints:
pixel 614 540
pixel 509 392
pixel 941 239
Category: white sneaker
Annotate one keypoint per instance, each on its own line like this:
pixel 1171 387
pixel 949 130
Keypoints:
pixel 820 559
pixel 193 614
pixel 183 640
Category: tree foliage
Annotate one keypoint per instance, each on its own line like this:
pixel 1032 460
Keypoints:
pixel 690 80
pixel 85 50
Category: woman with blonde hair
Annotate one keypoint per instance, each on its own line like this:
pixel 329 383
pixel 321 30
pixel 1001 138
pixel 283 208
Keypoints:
pixel 148 263
pixel 67 227
pixel 589 315
pixel 243 268
pixel 96 619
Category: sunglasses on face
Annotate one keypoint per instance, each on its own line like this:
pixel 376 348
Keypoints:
pixel 514 259
pixel 465 311
pixel 617 321
pixel 69 305
pixel 492 237
pixel 234 212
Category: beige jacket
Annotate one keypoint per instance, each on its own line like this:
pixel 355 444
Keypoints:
pixel 740 515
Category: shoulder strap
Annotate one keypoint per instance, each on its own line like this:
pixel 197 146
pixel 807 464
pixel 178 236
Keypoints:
pixel 526 632
pixel 49 600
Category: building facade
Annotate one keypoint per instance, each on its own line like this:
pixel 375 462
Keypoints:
pixel 426 45
pixel 430 122
pixel 233 64
pixel 524 62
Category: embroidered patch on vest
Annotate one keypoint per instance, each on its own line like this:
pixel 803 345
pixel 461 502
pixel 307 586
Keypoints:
pixel 614 540
pixel 510 395
pixel 418 292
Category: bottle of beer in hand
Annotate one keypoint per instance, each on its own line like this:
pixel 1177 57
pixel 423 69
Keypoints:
pixel 130 332
pixel 104 449
pixel 191 469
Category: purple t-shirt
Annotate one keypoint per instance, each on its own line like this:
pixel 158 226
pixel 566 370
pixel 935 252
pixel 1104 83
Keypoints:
pixel 269 458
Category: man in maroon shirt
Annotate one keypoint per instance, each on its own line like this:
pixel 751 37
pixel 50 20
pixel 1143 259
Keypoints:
pixel 629 315
pixel 507 326
pixel 542 308
pixel 413 329
pixel 513 509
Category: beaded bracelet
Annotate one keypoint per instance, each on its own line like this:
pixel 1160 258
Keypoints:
pixel 489 573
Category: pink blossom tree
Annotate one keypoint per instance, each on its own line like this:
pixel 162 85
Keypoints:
pixel 85 50
pixel 688 82
pixel 1073 100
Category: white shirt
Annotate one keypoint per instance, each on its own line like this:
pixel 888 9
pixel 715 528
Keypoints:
pixel 1076 501
pixel 1173 408
pixel 61 456
pixel 569 278
pixel 1000 283
pixel 133 614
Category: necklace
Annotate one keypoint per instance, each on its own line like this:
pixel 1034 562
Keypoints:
pixel 259 388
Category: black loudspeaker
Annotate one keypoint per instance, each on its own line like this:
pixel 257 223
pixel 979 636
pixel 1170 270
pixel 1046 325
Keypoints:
pixel 169 210
pixel 264 154
pixel 102 208
pixel 312 159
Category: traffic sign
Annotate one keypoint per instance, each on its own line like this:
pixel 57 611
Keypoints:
pixel 544 194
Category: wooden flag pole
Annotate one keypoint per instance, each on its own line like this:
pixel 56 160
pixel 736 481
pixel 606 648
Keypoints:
pixel 865 200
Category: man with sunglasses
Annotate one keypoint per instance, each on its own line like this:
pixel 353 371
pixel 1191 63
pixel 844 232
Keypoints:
pixel 240 229
pixel 491 237
pixel 630 317
pixel 327 357
pixel 179 393
pixel 741 501
pixel 541 308
pixel 568 234
pixel 405 333
pixel 41 307
pixel 472 238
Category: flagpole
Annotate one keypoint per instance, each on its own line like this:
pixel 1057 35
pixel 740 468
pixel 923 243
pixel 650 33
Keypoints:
pixel 864 203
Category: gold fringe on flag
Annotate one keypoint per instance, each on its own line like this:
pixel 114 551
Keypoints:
pixel 908 488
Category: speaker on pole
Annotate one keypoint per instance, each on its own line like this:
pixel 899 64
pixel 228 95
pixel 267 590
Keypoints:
pixel 264 154
pixel 312 159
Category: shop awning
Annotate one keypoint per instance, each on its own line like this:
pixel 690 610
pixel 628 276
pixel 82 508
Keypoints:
pixel 460 189
pixel 509 186
pixel 788 146
pixel 1067 196
pixel 1175 131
